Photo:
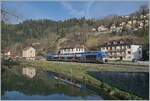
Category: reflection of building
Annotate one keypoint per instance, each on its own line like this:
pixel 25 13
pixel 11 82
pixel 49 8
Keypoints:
pixel 122 49
pixel 9 53
pixel 29 53
pixel 71 50
pixel 30 72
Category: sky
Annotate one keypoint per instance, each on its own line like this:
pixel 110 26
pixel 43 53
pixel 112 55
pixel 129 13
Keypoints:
pixel 62 10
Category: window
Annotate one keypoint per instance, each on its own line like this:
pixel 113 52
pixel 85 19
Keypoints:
pixel 129 52
pixel 128 46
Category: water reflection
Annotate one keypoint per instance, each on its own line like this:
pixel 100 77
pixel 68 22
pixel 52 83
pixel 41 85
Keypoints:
pixel 17 86
pixel 14 95
pixel 29 72
pixel 136 83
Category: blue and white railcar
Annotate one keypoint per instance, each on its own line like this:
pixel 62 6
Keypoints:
pixel 91 56
pixel 94 56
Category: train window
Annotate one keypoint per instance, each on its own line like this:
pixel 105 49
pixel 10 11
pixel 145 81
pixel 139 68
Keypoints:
pixel 91 57
pixel 129 46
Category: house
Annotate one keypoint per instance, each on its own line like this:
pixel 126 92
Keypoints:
pixel 141 25
pixel 113 28
pixel 72 50
pixel 28 53
pixel 129 22
pixel 134 22
pixel 122 23
pixel 7 53
pixel 29 72
pixel 122 49
pixel 93 29
pixel 102 28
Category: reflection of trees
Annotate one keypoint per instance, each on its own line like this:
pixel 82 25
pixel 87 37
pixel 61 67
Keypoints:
pixel 39 85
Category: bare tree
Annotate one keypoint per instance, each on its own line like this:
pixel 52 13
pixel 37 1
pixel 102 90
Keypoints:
pixel 7 15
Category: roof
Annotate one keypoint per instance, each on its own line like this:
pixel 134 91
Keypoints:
pixel 6 50
pixel 71 45
pixel 26 48
pixel 118 42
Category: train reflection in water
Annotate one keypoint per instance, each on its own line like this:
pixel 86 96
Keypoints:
pixel 91 56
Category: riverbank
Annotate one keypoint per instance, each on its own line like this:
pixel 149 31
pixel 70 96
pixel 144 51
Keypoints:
pixel 80 72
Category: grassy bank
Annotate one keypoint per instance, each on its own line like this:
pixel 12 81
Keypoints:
pixel 80 72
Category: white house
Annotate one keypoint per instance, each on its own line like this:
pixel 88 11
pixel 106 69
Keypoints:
pixel 93 29
pixel 130 22
pixel 7 53
pixel 102 28
pixel 28 53
pixel 113 28
pixel 122 49
pixel 72 50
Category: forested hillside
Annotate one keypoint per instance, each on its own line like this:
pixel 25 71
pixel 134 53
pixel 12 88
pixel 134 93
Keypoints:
pixel 48 36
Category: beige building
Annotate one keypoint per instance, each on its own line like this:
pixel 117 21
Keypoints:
pixel 7 53
pixel 28 53
pixel 122 49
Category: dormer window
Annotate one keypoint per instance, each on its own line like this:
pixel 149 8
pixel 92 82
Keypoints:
pixel 121 42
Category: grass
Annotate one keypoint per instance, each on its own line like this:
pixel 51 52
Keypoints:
pixel 79 71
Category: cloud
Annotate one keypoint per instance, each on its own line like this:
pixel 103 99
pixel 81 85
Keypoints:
pixel 89 5
pixel 73 11
pixel 78 13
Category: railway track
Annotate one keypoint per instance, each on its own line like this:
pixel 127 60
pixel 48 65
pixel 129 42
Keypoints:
pixel 110 63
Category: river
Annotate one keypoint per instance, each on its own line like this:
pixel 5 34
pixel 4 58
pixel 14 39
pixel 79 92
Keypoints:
pixel 24 84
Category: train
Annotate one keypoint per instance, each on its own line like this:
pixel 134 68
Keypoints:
pixel 91 57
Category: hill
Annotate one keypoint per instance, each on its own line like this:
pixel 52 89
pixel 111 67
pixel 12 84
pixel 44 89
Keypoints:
pixel 48 36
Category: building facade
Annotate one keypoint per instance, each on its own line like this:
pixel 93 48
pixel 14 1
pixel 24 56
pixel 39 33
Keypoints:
pixel 122 50
pixel 28 53
pixel 7 53
pixel 72 50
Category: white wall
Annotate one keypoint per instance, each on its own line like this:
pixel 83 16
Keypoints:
pixel 29 53
pixel 136 51
pixel 74 50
